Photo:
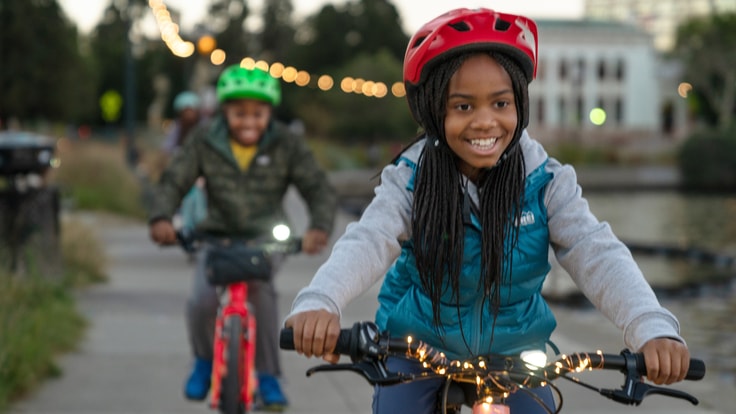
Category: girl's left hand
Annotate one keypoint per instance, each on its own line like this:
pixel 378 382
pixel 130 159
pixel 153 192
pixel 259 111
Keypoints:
pixel 314 241
pixel 667 360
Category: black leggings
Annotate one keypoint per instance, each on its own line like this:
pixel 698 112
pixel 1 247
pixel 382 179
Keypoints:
pixel 421 397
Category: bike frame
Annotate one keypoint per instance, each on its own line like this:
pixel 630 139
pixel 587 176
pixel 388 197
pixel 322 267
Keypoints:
pixel 234 318
pixel 234 302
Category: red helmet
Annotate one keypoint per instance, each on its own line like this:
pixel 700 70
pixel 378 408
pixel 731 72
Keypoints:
pixel 462 30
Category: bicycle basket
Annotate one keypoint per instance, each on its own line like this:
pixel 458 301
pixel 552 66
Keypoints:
pixel 237 263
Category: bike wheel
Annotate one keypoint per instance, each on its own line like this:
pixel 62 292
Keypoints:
pixel 232 381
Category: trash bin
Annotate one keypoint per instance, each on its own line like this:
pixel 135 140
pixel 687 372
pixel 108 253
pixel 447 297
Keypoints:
pixel 29 207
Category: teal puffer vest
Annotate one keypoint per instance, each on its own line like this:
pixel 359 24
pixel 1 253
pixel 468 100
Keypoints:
pixel 524 320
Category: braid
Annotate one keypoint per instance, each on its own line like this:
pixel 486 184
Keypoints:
pixel 437 217
pixel 437 222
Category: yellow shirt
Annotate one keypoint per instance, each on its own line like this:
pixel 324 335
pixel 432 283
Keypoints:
pixel 243 154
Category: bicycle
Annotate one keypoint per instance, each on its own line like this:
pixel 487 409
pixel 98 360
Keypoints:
pixel 231 264
pixel 483 383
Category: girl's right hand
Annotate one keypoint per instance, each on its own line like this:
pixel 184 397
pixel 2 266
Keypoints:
pixel 315 334
pixel 162 232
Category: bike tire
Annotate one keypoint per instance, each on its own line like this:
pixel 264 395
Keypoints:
pixel 232 382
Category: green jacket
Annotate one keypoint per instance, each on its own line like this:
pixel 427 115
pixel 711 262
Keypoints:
pixel 245 203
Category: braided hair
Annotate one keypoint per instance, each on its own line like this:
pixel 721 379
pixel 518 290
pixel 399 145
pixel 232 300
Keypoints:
pixel 437 221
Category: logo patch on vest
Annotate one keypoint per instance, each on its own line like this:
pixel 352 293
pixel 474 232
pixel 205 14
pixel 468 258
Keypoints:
pixel 527 218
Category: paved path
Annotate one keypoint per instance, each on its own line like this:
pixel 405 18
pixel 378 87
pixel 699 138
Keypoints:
pixel 135 356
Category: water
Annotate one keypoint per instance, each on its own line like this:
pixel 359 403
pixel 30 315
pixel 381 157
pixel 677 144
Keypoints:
pixel 702 295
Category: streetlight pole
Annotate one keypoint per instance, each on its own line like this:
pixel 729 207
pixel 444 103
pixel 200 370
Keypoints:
pixel 131 153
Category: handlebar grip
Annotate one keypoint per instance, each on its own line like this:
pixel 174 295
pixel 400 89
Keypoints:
pixel 696 370
pixel 343 346
pixel 286 339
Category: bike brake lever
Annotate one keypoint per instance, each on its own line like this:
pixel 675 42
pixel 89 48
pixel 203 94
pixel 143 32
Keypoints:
pixel 640 390
pixel 374 372
pixel 634 389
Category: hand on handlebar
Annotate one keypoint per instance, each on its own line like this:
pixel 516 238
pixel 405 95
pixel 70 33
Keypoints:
pixel 162 232
pixel 315 334
pixel 314 241
pixel 667 360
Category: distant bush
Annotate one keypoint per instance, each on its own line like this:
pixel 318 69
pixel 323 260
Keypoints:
pixel 707 161
pixel 576 154
pixel 94 176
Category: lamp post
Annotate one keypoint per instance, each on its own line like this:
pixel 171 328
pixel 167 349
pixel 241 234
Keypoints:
pixel 134 10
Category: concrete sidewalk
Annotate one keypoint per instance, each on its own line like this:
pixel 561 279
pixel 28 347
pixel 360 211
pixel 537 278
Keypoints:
pixel 136 356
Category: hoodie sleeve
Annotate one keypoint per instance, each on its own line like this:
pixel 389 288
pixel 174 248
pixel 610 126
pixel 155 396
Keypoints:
pixel 176 180
pixel 363 254
pixel 601 265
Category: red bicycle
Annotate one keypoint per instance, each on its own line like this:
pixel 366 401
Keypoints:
pixel 231 264
pixel 485 382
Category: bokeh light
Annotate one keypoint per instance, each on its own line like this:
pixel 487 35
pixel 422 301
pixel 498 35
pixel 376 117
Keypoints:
pixel 207 45
pixel 325 82
pixel 217 57
pixel 597 116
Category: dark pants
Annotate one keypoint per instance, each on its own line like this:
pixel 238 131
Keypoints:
pixel 422 397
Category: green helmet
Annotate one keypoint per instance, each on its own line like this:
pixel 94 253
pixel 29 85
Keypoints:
pixel 239 83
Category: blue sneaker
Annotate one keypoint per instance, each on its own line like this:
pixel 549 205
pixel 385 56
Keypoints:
pixel 272 397
pixel 198 383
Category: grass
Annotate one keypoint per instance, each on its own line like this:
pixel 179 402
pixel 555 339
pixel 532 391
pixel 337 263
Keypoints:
pixel 38 315
pixel 94 176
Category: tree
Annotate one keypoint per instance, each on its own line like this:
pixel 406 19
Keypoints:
pixel 226 18
pixel 277 34
pixel 706 47
pixel 355 118
pixel 43 75
pixel 332 37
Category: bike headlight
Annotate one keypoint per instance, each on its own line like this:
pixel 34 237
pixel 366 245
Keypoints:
pixel 534 359
pixel 281 232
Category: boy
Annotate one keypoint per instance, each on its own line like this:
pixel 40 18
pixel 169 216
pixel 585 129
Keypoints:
pixel 248 160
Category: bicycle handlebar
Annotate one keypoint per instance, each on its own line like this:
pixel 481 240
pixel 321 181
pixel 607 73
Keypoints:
pixel 231 260
pixel 368 348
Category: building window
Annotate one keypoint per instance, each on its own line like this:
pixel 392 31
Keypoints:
pixel 602 70
pixel 563 70
pixel 540 69
pixel 563 112
pixel 540 111
pixel 618 111
pixel 620 70
pixel 580 70
pixel 579 109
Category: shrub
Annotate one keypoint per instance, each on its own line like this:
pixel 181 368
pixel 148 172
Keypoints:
pixel 38 315
pixel 707 161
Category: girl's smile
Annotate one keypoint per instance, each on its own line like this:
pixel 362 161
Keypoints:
pixel 481 113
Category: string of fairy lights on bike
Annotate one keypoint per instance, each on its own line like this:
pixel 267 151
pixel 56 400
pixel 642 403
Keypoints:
pixel 206 44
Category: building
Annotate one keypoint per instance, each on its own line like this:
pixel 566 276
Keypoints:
pixel 600 80
pixel 659 18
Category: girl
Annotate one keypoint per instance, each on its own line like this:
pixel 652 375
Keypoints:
pixel 461 224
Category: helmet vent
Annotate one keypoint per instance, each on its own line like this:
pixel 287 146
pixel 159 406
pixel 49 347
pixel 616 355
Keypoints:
pixel 419 41
pixel 502 25
pixel 460 26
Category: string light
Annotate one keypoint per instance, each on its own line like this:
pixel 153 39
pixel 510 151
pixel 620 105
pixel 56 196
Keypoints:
pixel 206 45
